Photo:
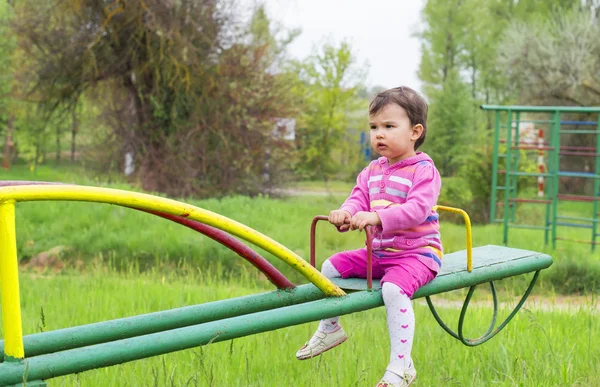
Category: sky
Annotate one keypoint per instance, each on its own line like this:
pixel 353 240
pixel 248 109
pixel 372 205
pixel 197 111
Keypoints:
pixel 380 32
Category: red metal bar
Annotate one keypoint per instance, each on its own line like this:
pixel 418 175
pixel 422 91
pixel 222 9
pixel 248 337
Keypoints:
pixel 313 228
pixel 547 145
pixel 272 274
pixel 577 198
pixel 532 147
pixel 524 143
pixel 369 258
pixel 578 148
pixel 578 241
pixel 586 154
pixel 518 200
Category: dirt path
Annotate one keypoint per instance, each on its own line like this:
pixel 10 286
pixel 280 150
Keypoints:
pixel 567 304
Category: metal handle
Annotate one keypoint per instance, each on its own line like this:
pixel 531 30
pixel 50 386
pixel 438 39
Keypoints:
pixel 313 228
pixel 469 236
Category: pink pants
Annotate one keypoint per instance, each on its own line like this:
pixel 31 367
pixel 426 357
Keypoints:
pixel 404 270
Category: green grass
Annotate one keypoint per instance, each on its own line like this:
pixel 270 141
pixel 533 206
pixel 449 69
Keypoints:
pixel 65 173
pixel 538 348
pixel 335 186
pixel 97 232
pixel 94 232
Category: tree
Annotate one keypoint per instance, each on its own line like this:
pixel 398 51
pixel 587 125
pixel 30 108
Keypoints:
pixel 329 82
pixel 451 60
pixel 187 88
pixel 449 126
pixel 554 61
pixel 7 118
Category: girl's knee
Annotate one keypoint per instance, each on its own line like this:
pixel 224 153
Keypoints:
pixel 390 291
pixel 328 270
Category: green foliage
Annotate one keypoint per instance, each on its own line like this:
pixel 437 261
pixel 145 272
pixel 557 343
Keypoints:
pixel 71 174
pixel 7 46
pixel 573 275
pixel 449 133
pixel 455 192
pixel 475 170
pixel 192 92
pixel 554 60
pixel 459 72
pixel 328 84
pixel 441 39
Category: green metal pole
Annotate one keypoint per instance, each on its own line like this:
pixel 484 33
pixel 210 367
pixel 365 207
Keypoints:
pixel 556 145
pixel 117 352
pixel 515 167
pixel 507 175
pixel 596 186
pixel 549 181
pixel 84 335
pixel 495 167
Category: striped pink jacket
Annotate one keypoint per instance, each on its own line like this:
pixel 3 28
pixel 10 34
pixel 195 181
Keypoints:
pixel 403 195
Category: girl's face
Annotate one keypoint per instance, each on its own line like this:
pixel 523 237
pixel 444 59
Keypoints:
pixel 392 135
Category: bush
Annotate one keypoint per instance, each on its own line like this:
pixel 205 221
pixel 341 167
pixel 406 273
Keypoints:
pixel 455 192
pixel 574 274
pixel 471 187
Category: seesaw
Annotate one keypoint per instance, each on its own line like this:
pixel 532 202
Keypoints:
pixel 37 357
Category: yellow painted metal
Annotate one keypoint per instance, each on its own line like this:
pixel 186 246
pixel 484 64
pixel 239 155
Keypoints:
pixel 155 203
pixel 9 282
pixel 469 233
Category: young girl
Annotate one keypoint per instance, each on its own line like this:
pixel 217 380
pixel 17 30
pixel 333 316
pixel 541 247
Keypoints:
pixel 396 194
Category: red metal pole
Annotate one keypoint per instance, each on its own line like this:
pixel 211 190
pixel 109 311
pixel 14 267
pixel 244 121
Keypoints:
pixel 313 228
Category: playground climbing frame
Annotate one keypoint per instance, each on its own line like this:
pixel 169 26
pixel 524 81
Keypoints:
pixel 504 193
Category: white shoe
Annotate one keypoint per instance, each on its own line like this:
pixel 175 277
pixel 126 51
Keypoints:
pixel 320 343
pixel 409 376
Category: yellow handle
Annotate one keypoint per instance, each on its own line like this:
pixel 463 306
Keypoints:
pixel 469 235
pixel 9 283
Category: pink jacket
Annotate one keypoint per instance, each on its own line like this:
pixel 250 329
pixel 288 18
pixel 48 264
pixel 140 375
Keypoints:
pixel 403 195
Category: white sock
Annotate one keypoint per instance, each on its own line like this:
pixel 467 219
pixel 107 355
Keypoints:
pixel 401 327
pixel 331 324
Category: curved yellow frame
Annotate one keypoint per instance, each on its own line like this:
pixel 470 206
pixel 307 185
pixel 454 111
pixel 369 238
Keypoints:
pixel 11 312
pixel 469 233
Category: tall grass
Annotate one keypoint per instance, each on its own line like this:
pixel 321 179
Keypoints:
pixel 93 231
pixel 538 348
pixel 97 232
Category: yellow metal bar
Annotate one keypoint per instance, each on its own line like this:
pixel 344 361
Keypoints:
pixel 469 234
pixel 9 282
pixel 155 203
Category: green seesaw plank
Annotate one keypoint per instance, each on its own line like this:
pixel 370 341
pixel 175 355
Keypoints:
pixel 101 332
pixel 490 263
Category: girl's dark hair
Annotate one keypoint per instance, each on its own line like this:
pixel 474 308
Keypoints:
pixel 409 100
